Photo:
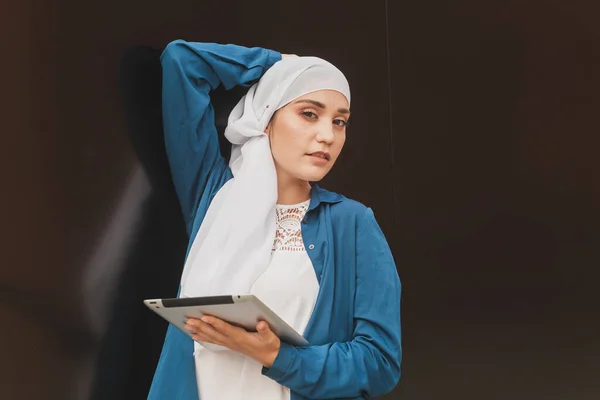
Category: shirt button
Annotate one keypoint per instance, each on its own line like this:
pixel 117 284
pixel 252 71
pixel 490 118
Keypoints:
pixel 312 246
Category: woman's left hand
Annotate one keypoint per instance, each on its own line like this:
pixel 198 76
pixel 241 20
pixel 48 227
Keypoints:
pixel 262 345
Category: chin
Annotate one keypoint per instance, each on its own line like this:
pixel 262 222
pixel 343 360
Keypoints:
pixel 310 174
pixel 312 177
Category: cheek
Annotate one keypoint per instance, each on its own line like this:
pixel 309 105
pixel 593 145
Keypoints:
pixel 285 146
pixel 338 145
pixel 291 141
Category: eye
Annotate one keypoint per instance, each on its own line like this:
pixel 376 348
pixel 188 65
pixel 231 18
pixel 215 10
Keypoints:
pixel 309 114
pixel 341 123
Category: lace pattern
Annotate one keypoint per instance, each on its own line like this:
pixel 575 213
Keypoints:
pixel 288 236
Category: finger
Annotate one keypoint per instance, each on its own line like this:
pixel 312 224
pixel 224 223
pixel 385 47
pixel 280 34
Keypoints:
pixel 195 326
pixel 191 325
pixel 210 332
pixel 264 331
pixel 205 339
pixel 262 326
pixel 190 328
pixel 222 327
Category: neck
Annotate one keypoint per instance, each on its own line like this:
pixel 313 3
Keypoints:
pixel 291 190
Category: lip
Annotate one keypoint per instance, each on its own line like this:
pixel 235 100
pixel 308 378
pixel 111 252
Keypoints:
pixel 318 160
pixel 320 155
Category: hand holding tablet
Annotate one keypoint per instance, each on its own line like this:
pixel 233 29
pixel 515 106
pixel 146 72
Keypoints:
pixel 244 311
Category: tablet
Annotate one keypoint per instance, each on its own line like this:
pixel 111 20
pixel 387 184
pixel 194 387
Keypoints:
pixel 244 311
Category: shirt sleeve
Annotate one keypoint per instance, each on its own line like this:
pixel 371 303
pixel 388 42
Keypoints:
pixel 190 72
pixel 369 364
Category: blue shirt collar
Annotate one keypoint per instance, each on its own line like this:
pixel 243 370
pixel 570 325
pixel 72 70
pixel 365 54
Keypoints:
pixel 319 195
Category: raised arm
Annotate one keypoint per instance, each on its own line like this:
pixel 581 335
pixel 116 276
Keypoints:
pixel 369 364
pixel 190 72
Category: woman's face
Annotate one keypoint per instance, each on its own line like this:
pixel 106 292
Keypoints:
pixel 307 135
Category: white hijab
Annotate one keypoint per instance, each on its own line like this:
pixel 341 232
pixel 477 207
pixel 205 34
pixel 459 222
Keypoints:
pixel 233 245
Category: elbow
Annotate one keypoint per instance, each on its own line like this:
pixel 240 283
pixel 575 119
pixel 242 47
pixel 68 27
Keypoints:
pixel 395 370
pixel 173 50
pixel 392 379
pixel 389 382
pixel 387 376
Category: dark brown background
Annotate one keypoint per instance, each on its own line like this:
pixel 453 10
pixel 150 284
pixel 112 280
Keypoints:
pixel 474 139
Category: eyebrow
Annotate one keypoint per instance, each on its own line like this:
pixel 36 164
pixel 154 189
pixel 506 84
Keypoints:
pixel 321 105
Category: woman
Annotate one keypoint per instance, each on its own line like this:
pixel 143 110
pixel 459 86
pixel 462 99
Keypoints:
pixel 258 225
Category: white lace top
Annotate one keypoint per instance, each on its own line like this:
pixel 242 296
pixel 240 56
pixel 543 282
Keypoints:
pixel 289 287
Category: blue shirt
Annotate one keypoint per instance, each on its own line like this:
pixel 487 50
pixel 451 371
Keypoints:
pixel 354 331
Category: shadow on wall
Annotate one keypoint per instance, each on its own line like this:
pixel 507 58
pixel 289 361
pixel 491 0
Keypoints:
pixel 156 240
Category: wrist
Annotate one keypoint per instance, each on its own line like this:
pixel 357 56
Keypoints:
pixel 270 356
pixel 270 359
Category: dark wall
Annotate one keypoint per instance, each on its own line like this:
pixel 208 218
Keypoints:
pixel 495 128
pixel 474 139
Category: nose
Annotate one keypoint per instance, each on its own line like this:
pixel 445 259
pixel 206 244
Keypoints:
pixel 325 133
